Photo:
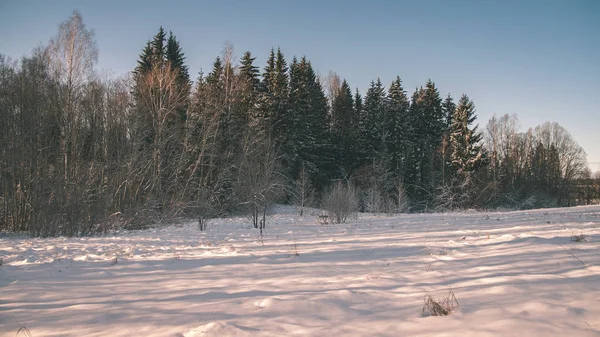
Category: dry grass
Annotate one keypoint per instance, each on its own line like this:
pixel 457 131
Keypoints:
pixel 23 331
pixel 579 238
pixel 442 307
pixel 294 250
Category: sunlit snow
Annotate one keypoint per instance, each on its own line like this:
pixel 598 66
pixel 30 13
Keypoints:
pixel 513 274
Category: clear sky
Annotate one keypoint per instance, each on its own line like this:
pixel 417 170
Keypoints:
pixel 536 58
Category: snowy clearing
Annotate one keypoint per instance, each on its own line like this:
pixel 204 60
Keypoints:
pixel 516 273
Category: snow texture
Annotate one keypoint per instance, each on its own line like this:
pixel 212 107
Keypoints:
pixel 513 273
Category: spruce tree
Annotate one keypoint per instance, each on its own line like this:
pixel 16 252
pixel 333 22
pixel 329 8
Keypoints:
pixel 375 136
pixel 448 108
pixel 279 89
pixel 358 105
pixel 269 72
pixel 344 128
pixel 158 46
pixel 306 123
pixel 249 72
pixel 429 125
pixel 214 81
pixel 465 140
pixel 144 64
pixel 342 111
pixel 176 58
pixel 413 178
pixel 250 94
pixel 401 129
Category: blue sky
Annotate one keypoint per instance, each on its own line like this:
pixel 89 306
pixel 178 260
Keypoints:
pixel 536 58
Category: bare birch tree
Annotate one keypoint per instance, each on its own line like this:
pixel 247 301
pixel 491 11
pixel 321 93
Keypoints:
pixel 71 56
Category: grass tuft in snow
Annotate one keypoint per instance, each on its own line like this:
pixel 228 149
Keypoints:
pixel 294 250
pixel 579 238
pixel 23 330
pixel 442 307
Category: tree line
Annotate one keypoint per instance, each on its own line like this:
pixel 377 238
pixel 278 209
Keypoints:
pixel 82 153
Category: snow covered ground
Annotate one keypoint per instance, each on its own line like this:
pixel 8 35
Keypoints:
pixel 513 274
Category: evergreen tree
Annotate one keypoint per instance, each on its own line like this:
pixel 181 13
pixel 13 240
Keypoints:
pixel 467 155
pixel 175 58
pixel 249 72
pixel 374 131
pixel 358 106
pixel 342 111
pixel 448 108
pixel 413 179
pixel 434 115
pixel 250 91
pixel 269 73
pixel 153 55
pixel 344 129
pixel 306 123
pixel 401 129
pixel 359 148
pixel 428 123
pixel 144 64
pixel 215 85
pixel 158 47
pixel 273 101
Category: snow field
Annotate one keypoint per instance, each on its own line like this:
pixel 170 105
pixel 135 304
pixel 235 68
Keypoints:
pixel 513 273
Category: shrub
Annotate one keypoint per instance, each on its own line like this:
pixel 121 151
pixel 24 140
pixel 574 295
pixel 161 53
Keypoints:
pixel 340 202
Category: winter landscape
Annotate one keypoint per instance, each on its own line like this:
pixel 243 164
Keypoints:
pixel 512 273
pixel 200 168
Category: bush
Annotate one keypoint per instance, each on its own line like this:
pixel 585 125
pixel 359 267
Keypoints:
pixel 340 202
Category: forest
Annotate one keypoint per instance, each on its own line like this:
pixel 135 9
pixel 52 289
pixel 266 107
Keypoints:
pixel 82 153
